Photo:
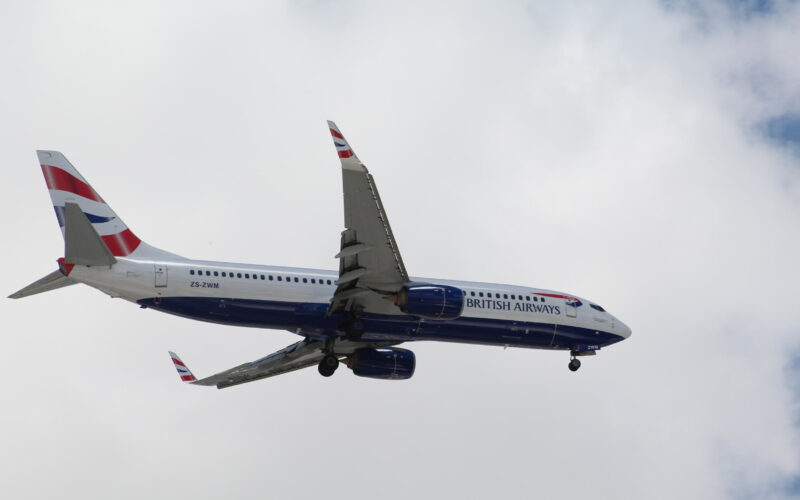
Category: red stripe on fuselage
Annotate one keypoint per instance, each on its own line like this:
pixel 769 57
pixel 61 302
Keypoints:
pixel 64 181
pixel 336 134
pixel 121 244
pixel 346 154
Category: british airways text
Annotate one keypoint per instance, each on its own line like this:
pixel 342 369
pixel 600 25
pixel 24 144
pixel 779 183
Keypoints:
pixel 507 305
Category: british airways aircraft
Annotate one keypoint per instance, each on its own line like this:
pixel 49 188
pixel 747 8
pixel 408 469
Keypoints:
pixel 356 316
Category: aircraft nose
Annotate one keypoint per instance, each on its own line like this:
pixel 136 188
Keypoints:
pixel 623 329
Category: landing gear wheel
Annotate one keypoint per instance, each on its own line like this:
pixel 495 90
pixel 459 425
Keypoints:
pixel 574 364
pixel 328 365
pixel 354 328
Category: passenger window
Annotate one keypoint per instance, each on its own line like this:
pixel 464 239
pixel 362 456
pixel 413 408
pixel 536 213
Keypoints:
pixel 262 277
pixel 536 299
pixel 480 294
pixel 313 281
pixel 279 278
pixel 208 273
pixel 223 274
pixel 472 294
pixel 238 275
pixel 497 295
pixel 216 273
pixel 329 282
pixel 270 277
pixel 542 299
pixel 296 279
pixel 305 280
pixel 505 295
pixel 191 271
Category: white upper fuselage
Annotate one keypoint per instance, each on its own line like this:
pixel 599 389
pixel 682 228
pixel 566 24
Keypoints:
pixel 137 280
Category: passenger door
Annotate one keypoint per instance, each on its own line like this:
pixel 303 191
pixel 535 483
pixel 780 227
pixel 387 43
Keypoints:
pixel 161 275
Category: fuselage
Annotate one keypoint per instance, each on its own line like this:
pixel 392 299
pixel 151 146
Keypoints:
pixel 297 299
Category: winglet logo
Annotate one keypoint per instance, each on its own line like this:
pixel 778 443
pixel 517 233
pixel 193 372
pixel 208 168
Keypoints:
pixel 342 148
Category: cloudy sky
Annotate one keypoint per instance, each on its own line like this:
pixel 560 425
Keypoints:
pixel 643 154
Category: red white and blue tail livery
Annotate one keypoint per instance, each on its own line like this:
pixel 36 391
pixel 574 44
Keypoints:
pixel 356 315
pixel 183 371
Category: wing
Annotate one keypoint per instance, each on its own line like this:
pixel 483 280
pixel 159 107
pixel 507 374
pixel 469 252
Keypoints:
pixel 300 355
pixel 370 266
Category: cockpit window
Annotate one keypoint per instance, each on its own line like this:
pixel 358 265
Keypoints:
pixel 596 307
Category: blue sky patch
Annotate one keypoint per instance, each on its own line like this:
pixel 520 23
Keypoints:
pixel 784 130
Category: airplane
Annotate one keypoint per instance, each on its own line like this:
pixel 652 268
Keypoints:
pixel 356 316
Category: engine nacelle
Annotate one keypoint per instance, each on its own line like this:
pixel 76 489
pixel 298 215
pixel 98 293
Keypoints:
pixel 384 363
pixel 432 301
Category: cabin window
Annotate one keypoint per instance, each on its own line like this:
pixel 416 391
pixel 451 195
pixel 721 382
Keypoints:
pixel 270 277
pixel 528 298
pixel 329 282
pixel 238 275
pixel 279 278
pixel 262 277
pixel 296 279
pixel 505 295
pixel 216 273
pixel 191 271
pixel 472 293
pixel 313 281
pixel 305 280
pixel 536 299
pixel 480 294
pixel 542 299
pixel 208 273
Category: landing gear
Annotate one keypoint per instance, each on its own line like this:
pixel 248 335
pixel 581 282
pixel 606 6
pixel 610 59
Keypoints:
pixel 354 328
pixel 574 364
pixel 328 365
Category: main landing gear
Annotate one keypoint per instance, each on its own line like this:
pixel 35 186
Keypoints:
pixel 328 365
pixel 574 364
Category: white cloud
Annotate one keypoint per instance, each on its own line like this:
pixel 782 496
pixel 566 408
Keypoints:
pixel 603 149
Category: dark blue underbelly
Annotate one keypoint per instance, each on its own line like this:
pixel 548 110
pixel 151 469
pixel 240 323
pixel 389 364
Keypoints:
pixel 312 320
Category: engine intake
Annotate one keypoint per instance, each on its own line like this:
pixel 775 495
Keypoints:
pixel 384 363
pixel 432 301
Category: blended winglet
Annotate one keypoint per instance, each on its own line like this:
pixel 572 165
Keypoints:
pixel 344 150
pixel 183 371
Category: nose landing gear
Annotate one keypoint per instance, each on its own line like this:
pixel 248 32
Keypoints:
pixel 574 362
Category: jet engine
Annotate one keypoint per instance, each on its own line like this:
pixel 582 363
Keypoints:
pixel 431 301
pixel 384 363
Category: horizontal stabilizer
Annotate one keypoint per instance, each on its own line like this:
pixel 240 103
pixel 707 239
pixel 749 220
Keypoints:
pixel 52 281
pixel 82 244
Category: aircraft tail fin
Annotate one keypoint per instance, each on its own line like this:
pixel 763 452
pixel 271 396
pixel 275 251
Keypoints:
pixel 66 185
pixel 98 235
pixel 53 281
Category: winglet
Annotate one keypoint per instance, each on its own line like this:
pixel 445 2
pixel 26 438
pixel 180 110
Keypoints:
pixel 346 154
pixel 184 372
